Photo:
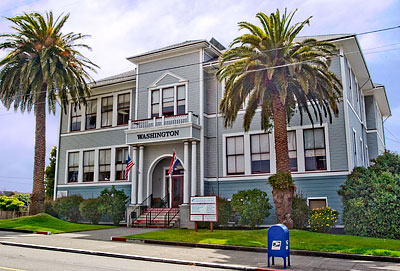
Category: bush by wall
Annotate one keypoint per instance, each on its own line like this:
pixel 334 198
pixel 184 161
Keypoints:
pixel 113 203
pixel 90 210
pixel 24 197
pixel 67 208
pixel 10 203
pixel 323 219
pixel 371 199
pixel 252 205
pixel 49 208
pixel 300 211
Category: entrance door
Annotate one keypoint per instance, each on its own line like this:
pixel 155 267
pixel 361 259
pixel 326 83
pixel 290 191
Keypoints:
pixel 177 191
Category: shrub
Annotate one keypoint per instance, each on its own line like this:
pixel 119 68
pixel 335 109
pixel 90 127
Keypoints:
pixel 90 210
pixel 281 180
pixel 49 208
pixel 252 205
pixel 371 199
pixel 323 219
pixel 67 208
pixel 10 203
pixel 24 197
pixel 300 211
pixel 113 203
pixel 224 214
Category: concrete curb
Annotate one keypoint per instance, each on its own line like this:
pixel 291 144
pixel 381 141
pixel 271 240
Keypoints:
pixel 265 250
pixel 26 231
pixel 136 257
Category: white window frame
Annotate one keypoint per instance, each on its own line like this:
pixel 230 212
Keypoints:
pixel 362 152
pixel 318 198
pixel 355 153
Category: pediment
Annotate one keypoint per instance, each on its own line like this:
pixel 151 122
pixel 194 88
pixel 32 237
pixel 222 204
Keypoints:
pixel 168 78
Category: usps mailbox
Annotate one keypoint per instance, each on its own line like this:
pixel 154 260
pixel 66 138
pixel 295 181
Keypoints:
pixel 278 243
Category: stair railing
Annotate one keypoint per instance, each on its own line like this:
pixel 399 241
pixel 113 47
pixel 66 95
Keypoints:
pixel 141 207
pixel 170 216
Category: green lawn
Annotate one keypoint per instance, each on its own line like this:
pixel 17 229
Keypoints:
pixel 298 240
pixel 45 222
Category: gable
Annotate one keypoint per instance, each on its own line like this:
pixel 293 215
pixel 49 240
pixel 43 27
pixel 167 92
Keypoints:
pixel 167 78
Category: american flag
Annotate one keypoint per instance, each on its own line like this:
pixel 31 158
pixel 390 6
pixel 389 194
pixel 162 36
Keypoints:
pixel 174 163
pixel 129 165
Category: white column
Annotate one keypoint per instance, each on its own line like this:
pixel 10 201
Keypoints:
pixel 134 177
pixel 194 169
pixel 98 114
pixel 80 171
pixel 112 166
pixel 170 191
pixel 96 165
pixel 186 186
pixel 115 109
pixel 140 175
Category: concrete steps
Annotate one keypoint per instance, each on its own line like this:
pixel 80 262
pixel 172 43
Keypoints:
pixel 157 218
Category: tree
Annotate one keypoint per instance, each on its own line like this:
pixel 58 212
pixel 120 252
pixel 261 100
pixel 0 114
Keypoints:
pixel 42 65
pixel 50 174
pixel 113 203
pixel 267 67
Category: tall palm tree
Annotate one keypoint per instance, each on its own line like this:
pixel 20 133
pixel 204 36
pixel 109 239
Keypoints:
pixel 267 67
pixel 42 65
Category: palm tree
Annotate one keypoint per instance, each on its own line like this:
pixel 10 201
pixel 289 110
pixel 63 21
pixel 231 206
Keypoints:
pixel 267 67
pixel 42 66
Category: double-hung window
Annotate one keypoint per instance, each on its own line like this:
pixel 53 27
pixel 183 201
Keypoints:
pixel 75 117
pixel 260 154
pixel 123 109
pixel 180 100
pixel 106 111
pixel 314 149
pixel 235 155
pixel 88 166
pixel 73 167
pixel 120 163
pixel 292 150
pixel 155 103
pixel 104 164
pixel 168 101
pixel 91 114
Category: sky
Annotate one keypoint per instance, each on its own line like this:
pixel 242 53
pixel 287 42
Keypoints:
pixel 123 28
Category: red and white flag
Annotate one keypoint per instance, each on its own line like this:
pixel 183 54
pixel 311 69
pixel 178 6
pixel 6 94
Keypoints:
pixel 129 165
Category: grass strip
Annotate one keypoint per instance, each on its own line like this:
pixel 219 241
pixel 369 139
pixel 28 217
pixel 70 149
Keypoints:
pixel 302 240
pixel 45 222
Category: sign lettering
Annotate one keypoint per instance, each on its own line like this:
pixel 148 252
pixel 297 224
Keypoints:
pixel 158 134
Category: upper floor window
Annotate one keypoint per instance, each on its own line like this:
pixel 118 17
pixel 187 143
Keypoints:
pixel 106 111
pixel 120 163
pixel 314 149
pixel 104 165
pixel 235 155
pixel 168 101
pixel 73 167
pixel 75 117
pixel 88 166
pixel 123 108
pixel 260 153
pixel 91 114
pixel 292 147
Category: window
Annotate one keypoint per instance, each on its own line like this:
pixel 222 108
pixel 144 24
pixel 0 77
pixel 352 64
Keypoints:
pixel 317 203
pixel 314 149
pixel 106 111
pixel 104 165
pixel 120 163
pixel 168 101
pixel 292 150
pixel 88 166
pixel 123 108
pixel 260 157
pixel 73 167
pixel 172 99
pixel 235 155
pixel 355 158
pixel 180 100
pixel 91 113
pixel 155 103
pixel 75 117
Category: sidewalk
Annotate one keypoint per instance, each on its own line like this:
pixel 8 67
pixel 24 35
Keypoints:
pixel 90 241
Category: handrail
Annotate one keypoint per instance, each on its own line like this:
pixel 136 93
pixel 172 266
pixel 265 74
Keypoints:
pixel 167 219
pixel 140 205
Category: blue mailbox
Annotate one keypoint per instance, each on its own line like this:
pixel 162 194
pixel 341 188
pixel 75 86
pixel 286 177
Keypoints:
pixel 278 243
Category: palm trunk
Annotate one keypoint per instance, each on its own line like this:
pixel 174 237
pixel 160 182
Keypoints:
pixel 38 195
pixel 282 197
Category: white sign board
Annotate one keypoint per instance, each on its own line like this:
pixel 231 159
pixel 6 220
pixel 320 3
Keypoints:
pixel 203 209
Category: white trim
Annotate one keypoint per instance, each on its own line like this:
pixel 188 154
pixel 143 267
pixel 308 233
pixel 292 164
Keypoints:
pixel 355 113
pixel 96 164
pixel 56 179
pixel 325 198
pixel 105 129
pixel 354 140
pixel 378 134
pixel 69 114
pixel 345 110
pixel 83 117
pixel 264 176
pixel 201 119
pixel 137 92
pixel 93 184
pixel 180 79
pixel 362 152
pixel 114 115
pixel 98 113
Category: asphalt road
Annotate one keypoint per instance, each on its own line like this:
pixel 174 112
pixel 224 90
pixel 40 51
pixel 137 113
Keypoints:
pixel 23 259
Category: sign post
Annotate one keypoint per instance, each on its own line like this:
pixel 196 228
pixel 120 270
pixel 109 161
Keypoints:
pixel 203 209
